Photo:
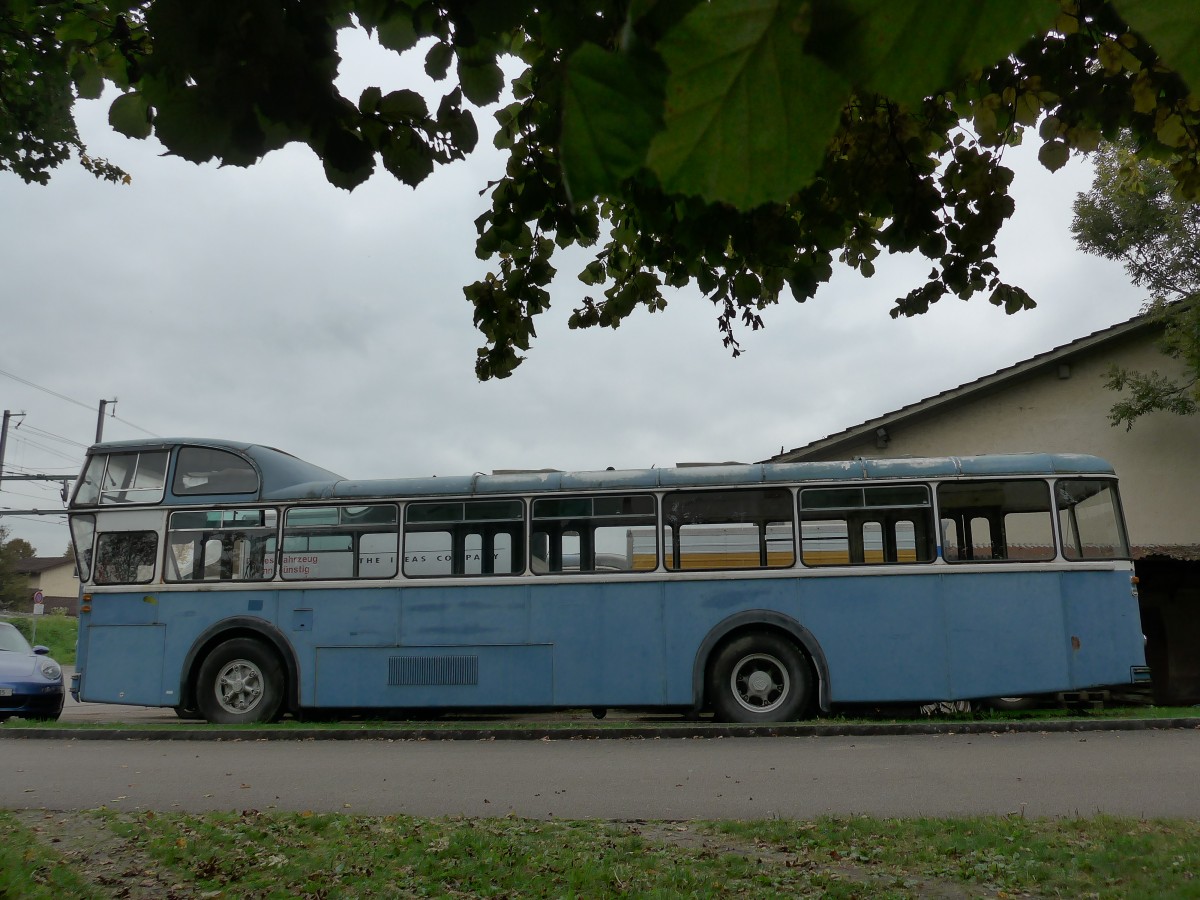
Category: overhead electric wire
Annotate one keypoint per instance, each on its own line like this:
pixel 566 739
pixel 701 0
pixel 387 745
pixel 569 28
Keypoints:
pixel 27 496
pixel 25 427
pixel 54 451
pixel 47 390
pixel 18 469
pixel 54 487
pixel 138 427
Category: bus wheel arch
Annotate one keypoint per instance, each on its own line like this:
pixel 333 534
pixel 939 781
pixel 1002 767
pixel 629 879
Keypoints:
pixel 244 634
pixel 774 646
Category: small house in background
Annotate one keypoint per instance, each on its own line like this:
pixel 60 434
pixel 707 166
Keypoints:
pixel 55 577
pixel 1056 402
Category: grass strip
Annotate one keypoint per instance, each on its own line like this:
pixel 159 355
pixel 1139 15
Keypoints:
pixel 32 868
pixel 272 854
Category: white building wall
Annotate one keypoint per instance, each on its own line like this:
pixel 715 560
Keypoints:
pixel 1156 460
pixel 58 582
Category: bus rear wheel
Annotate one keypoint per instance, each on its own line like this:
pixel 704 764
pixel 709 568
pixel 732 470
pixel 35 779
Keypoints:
pixel 1012 704
pixel 240 682
pixel 759 678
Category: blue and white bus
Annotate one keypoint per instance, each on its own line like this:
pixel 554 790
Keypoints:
pixel 238 581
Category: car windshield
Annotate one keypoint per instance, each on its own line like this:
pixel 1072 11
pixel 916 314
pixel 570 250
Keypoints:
pixel 11 639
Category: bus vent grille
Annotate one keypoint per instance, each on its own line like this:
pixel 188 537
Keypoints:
pixel 414 670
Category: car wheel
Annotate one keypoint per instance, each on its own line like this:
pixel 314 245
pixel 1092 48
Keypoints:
pixel 240 682
pixel 760 678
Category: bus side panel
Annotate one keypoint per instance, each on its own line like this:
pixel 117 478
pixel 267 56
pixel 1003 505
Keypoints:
pixel 1104 628
pixel 120 648
pixel 471 614
pixel 882 635
pixel 351 616
pixel 463 675
pixel 1005 633
pixel 608 641
pixel 132 664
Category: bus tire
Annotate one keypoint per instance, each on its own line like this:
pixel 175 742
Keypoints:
pixel 759 677
pixel 1012 704
pixel 241 681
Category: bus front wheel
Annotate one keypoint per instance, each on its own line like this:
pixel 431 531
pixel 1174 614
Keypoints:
pixel 759 678
pixel 240 682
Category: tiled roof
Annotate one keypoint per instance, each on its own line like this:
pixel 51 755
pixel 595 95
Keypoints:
pixel 39 564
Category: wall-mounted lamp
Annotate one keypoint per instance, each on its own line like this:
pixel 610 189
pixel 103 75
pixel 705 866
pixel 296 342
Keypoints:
pixel 882 438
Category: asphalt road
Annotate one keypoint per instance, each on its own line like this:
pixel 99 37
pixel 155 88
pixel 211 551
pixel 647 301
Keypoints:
pixel 1144 773
pixel 1138 773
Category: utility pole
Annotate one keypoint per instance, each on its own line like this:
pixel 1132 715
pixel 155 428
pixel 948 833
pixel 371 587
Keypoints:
pixel 3 440
pixel 100 418
pixel 4 437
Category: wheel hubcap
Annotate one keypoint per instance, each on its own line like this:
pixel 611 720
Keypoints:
pixel 760 683
pixel 239 686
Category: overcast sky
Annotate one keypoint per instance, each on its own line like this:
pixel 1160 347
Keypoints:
pixel 265 305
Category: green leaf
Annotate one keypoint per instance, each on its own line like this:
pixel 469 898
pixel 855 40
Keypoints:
pixel 79 26
pixel 187 129
pixel 612 107
pixel 438 59
pixel 130 115
pixel 1054 155
pixel 593 273
pixel 1012 298
pixel 481 81
pixel 1173 29
pixel 397 32
pixel 89 78
pixel 348 159
pixel 368 100
pixel 1171 131
pixel 407 159
pixel 748 115
pixel 910 49
pixel 403 106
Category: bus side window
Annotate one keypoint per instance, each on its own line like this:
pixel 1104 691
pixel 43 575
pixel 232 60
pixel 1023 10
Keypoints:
pixel 121 478
pixel 206 470
pixel 952 541
pixel 982 545
pixel 1089 516
pixel 997 520
pixel 575 535
pixel 222 545
pixel 872 539
pixel 329 542
pixel 473 537
pixel 825 542
pixel 738 529
pixel 866 525
pixel 126 557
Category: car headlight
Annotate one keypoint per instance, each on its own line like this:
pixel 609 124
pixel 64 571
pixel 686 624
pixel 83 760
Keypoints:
pixel 51 670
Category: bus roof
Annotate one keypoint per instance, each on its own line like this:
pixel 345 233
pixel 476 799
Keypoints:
pixel 285 477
